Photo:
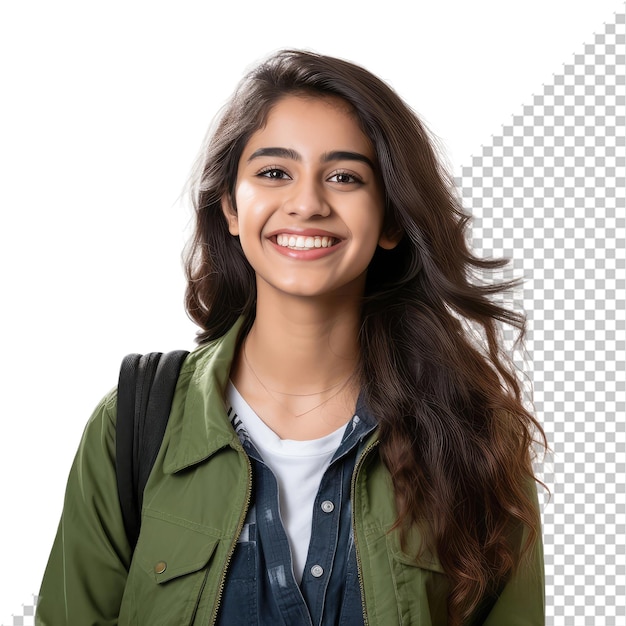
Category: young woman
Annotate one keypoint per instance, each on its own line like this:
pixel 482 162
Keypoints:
pixel 341 448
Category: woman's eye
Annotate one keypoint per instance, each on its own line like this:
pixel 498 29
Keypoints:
pixel 344 178
pixel 273 173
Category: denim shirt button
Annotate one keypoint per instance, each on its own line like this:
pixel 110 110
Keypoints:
pixel 317 571
pixel 328 506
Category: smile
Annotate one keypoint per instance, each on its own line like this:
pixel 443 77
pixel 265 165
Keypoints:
pixel 300 242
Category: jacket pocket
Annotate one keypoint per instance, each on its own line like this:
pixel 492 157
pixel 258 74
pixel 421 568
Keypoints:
pixel 168 573
pixel 420 582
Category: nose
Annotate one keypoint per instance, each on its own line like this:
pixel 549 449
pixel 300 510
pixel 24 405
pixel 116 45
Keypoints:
pixel 307 199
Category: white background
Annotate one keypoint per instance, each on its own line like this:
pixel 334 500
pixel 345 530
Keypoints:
pixel 102 111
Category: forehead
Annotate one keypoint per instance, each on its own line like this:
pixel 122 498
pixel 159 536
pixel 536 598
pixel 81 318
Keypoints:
pixel 313 122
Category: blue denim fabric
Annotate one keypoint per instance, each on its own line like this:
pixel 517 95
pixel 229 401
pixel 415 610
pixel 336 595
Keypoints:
pixel 260 586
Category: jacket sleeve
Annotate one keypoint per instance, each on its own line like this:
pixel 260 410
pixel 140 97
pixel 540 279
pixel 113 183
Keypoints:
pixel 522 601
pixel 86 573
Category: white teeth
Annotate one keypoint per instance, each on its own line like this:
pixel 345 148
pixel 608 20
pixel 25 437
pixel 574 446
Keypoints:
pixel 298 242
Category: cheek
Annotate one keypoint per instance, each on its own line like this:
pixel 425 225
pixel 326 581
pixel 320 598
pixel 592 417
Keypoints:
pixel 368 220
pixel 244 194
pixel 252 206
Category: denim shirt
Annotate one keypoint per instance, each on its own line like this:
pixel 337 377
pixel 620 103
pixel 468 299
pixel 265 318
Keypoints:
pixel 260 587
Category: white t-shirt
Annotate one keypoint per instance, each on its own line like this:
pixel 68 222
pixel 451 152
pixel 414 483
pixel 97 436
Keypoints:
pixel 298 467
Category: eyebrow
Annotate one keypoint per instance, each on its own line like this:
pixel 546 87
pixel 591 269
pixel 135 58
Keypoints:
pixel 327 157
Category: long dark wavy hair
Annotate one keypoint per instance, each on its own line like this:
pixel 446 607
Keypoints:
pixel 454 431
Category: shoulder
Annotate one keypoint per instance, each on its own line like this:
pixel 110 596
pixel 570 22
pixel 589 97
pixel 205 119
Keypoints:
pixel 99 432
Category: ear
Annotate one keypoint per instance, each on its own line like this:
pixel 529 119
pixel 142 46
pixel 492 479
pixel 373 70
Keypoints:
pixel 230 214
pixel 390 239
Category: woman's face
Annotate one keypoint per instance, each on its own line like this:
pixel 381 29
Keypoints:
pixel 309 201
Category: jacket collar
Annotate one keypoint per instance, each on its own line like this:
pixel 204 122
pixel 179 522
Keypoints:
pixel 198 425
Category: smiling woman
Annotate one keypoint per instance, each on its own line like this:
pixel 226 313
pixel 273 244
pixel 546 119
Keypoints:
pixel 339 449
pixel 319 184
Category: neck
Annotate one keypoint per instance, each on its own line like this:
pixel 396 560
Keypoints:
pixel 296 369
pixel 302 349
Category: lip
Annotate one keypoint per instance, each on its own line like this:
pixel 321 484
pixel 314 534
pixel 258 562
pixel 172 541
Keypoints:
pixel 304 232
pixel 305 255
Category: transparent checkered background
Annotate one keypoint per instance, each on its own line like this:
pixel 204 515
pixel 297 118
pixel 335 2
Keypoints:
pixel 550 193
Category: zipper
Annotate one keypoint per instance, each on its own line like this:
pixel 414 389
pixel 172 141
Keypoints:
pixel 202 586
pixel 231 551
pixel 357 467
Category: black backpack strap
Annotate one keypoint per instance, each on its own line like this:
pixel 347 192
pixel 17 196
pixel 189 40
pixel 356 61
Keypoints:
pixel 144 400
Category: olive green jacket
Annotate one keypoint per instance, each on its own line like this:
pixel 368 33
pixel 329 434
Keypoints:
pixel 194 508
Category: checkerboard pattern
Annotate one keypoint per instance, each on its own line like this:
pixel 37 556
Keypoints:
pixel 550 192
pixel 27 614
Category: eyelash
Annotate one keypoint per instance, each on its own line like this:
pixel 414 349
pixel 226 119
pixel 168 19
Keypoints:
pixel 355 179
pixel 273 168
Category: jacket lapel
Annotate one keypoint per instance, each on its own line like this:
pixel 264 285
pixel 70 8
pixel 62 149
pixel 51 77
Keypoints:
pixel 198 426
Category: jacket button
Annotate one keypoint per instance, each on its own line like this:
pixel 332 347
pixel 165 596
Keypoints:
pixel 317 571
pixel 328 506
pixel 160 567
